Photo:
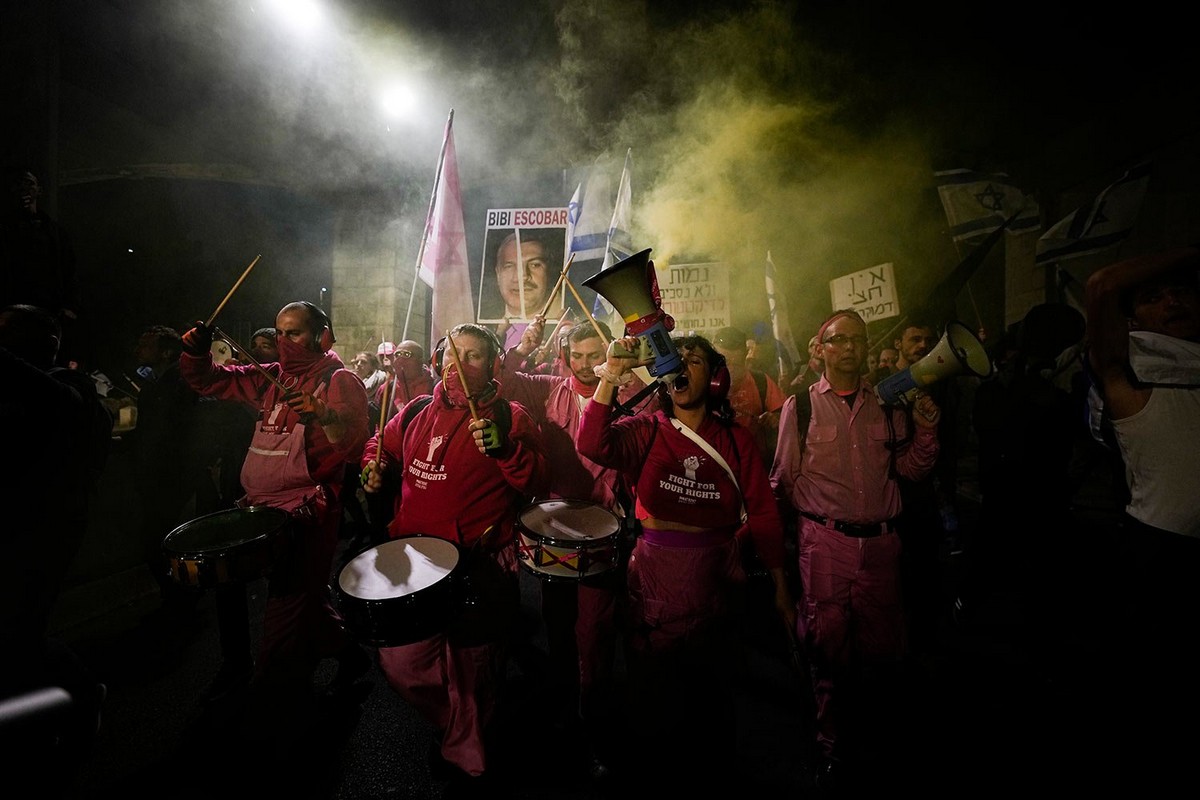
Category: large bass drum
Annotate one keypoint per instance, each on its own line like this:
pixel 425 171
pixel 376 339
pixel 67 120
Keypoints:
pixel 401 591
pixel 238 544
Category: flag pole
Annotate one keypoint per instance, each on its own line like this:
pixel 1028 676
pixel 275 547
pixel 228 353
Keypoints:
pixel 437 179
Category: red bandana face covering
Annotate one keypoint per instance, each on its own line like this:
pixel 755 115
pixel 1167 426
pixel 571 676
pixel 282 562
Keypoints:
pixel 582 389
pixel 453 387
pixel 296 358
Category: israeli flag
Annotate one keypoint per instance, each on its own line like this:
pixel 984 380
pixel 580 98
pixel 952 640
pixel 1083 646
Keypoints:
pixel 1104 222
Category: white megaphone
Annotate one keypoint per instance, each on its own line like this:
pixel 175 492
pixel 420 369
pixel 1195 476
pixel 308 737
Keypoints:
pixel 958 351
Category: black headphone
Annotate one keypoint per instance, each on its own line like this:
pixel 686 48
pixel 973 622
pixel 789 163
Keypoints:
pixel 324 328
pixel 494 344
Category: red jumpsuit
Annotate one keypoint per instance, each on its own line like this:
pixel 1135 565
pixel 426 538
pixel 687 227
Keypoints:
pixel 451 490
pixel 685 586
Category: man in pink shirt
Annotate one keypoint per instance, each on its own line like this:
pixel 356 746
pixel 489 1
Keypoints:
pixel 839 475
pixel 408 377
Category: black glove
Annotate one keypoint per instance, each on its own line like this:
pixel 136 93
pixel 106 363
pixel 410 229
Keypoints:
pixel 198 340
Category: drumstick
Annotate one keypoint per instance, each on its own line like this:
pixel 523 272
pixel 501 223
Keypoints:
pixel 231 291
pixel 591 319
pixel 557 284
pixel 462 378
pixel 383 409
pixel 220 334
pixel 541 347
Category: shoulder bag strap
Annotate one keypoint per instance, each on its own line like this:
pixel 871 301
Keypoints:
pixel 708 448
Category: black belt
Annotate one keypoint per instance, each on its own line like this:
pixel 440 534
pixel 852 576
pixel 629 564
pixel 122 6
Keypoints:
pixel 863 531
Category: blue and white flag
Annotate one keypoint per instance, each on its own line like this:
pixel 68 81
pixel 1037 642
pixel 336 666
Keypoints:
pixel 619 245
pixel 590 211
pixel 1104 222
pixel 977 204
pixel 781 328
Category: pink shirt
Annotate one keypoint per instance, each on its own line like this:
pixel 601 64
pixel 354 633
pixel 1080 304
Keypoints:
pixel 843 473
pixel 558 410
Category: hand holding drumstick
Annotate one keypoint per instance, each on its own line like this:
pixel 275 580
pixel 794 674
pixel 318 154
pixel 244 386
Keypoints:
pixel 374 468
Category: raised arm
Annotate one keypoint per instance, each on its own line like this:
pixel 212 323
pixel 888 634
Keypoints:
pixel 1108 324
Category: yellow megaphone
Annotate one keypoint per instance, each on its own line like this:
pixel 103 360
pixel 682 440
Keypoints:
pixel 958 351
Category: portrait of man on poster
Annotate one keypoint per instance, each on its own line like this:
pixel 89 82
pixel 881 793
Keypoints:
pixel 520 268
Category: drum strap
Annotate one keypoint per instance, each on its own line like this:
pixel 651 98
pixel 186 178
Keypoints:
pixel 708 448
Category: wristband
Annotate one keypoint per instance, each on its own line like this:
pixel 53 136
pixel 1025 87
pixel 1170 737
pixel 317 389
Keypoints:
pixel 604 373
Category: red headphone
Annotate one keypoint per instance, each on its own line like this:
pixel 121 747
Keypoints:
pixel 718 381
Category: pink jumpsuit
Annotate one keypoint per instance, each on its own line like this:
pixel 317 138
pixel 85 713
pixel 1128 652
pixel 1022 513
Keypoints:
pixel 850 606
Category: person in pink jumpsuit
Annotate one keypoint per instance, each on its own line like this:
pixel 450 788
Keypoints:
pixel 295 462
pixel 840 479
pixel 463 480
pixel 579 616
pixel 698 480
pixel 408 377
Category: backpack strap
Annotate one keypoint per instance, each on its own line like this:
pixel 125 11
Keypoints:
pixel 803 416
pixel 412 408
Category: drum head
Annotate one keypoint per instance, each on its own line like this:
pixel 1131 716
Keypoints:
pixel 569 521
pixel 225 529
pixel 398 568
pixel 221 352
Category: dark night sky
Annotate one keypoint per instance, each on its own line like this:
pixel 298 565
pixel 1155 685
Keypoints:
pixel 810 129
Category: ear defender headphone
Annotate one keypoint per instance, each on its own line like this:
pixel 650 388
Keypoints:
pixel 436 361
pixel 324 328
pixel 564 347
pixel 718 381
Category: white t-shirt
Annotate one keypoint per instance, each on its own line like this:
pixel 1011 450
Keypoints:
pixel 1161 448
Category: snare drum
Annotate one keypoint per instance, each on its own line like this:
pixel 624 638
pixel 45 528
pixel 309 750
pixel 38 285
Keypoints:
pixel 401 591
pixel 239 544
pixel 567 539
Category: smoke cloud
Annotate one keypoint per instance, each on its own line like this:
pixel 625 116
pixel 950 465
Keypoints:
pixel 812 133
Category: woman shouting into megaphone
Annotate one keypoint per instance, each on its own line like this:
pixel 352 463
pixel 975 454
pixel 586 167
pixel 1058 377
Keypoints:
pixel 700 489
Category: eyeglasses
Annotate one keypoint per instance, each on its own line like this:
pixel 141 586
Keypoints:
pixel 404 353
pixel 842 339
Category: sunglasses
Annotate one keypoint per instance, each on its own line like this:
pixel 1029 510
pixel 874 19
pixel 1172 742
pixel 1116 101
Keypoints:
pixel 842 339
